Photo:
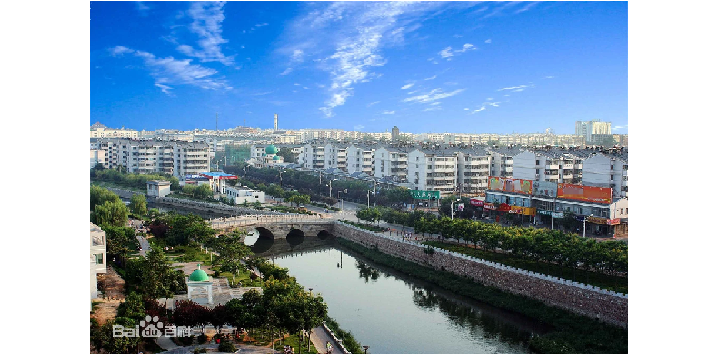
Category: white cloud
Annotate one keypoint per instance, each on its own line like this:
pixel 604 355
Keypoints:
pixel 286 71
pixel 262 24
pixel 517 88
pixel 120 50
pixel 372 103
pixel 297 55
pixel 549 77
pixel 169 71
pixel 430 78
pixel 478 110
pixel 447 53
pixel 620 127
pixel 388 112
pixel 358 127
pixel 207 18
pixel 432 96
pixel 429 109
pixel 487 41
pixel 356 34
pixel 408 86
pixel 527 7
pixel 297 84
pixel 142 8
pixel 435 103
pixel 466 108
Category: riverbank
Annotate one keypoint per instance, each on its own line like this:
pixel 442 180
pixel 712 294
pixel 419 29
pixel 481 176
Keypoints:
pixel 573 333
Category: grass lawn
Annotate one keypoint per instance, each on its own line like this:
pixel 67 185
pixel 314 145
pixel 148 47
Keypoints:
pixel 618 284
pixel 293 340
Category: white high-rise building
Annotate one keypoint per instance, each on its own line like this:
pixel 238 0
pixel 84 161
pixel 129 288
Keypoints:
pixel 593 131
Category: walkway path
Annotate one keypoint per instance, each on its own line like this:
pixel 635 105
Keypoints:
pixel 319 339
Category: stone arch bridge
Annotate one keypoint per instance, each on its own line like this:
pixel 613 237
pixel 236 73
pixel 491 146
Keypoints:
pixel 276 226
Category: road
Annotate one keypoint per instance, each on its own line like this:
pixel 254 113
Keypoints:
pixel 319 339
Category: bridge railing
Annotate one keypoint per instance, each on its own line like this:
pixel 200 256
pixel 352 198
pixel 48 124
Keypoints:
pixel 253 219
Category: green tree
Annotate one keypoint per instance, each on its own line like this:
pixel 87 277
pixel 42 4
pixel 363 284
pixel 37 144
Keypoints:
pixel 120 241
pixel 138 205
pixel 158 278
pixel 112 213
pixel 288 155
pixel 132 308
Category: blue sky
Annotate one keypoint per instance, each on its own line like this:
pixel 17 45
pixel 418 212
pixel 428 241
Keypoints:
pixel 472 67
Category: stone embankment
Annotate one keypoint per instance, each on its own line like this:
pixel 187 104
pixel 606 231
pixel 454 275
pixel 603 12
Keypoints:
pixel 582 299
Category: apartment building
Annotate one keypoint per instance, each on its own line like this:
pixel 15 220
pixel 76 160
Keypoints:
pixel 502 161
pixel 549 165
pixel 473 170
pixel 148 156
pixel 97 157
pixel 335 156
pixel 607 170
pixel 433 169
pixel 313 156
pixel 98 130
pixel 391 162
pixel 98 257
pixel 360 158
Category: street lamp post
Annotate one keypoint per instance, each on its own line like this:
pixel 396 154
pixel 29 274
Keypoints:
pixel 452 208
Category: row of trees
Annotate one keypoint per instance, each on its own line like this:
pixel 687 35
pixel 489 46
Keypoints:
pixel 305 183
pixel 540 245
pixel 180 229
pixel 198 191
pixel 121 176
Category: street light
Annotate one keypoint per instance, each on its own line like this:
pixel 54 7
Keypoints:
pixel 452 208
pixel 365 348
pixel 330 187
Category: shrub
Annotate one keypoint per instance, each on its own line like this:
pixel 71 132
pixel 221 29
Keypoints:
pixel 227 346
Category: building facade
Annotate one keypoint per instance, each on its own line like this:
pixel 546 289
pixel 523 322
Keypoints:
pixel 177 158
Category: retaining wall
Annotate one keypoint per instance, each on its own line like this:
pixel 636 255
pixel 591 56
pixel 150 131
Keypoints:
pixel 582 299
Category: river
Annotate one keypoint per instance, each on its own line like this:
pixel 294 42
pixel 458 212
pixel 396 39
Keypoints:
pixel 394 313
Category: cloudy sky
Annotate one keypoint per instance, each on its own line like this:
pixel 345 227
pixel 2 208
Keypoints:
pixel 472 67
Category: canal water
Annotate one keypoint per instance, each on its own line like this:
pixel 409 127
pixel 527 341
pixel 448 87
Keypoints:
pixel 393 313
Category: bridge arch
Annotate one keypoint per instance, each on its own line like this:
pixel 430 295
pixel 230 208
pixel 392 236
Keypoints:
pixel 295 237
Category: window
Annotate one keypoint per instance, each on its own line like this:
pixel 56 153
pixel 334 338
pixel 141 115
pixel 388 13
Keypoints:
pixel 537 163
pixel 98 258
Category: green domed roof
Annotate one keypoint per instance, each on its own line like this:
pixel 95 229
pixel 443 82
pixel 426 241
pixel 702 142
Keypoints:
pixel 198 275
pixel 270 149
pixel 275 157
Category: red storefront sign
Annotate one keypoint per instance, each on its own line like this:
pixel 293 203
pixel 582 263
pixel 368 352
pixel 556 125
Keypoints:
pixel 475 202
pixel 504 207
pixel 490 206
pixel 614 221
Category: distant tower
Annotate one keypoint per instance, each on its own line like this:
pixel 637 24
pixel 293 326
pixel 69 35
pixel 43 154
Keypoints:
pixel 394 133
pixel 275 122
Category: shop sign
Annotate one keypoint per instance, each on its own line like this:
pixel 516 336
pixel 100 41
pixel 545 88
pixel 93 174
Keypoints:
pixel 504 207
pixel 476 202
pixel 490 206
pixel 614 221
pixel 597 220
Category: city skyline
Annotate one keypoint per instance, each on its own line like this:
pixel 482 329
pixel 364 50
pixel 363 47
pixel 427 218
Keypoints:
pixel 488 67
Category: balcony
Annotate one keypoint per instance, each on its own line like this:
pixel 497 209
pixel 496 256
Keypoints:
pixel 552 167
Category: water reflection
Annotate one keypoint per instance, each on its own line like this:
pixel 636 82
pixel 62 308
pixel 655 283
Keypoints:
pixel 367 272
pixel 395 313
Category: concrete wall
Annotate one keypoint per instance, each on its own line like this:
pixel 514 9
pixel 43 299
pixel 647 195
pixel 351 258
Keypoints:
pixel 585 300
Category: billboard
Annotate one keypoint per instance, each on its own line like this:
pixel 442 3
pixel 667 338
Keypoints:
pixel 585 193
pixel 425 195
pixel 510 185
pixel 545 189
